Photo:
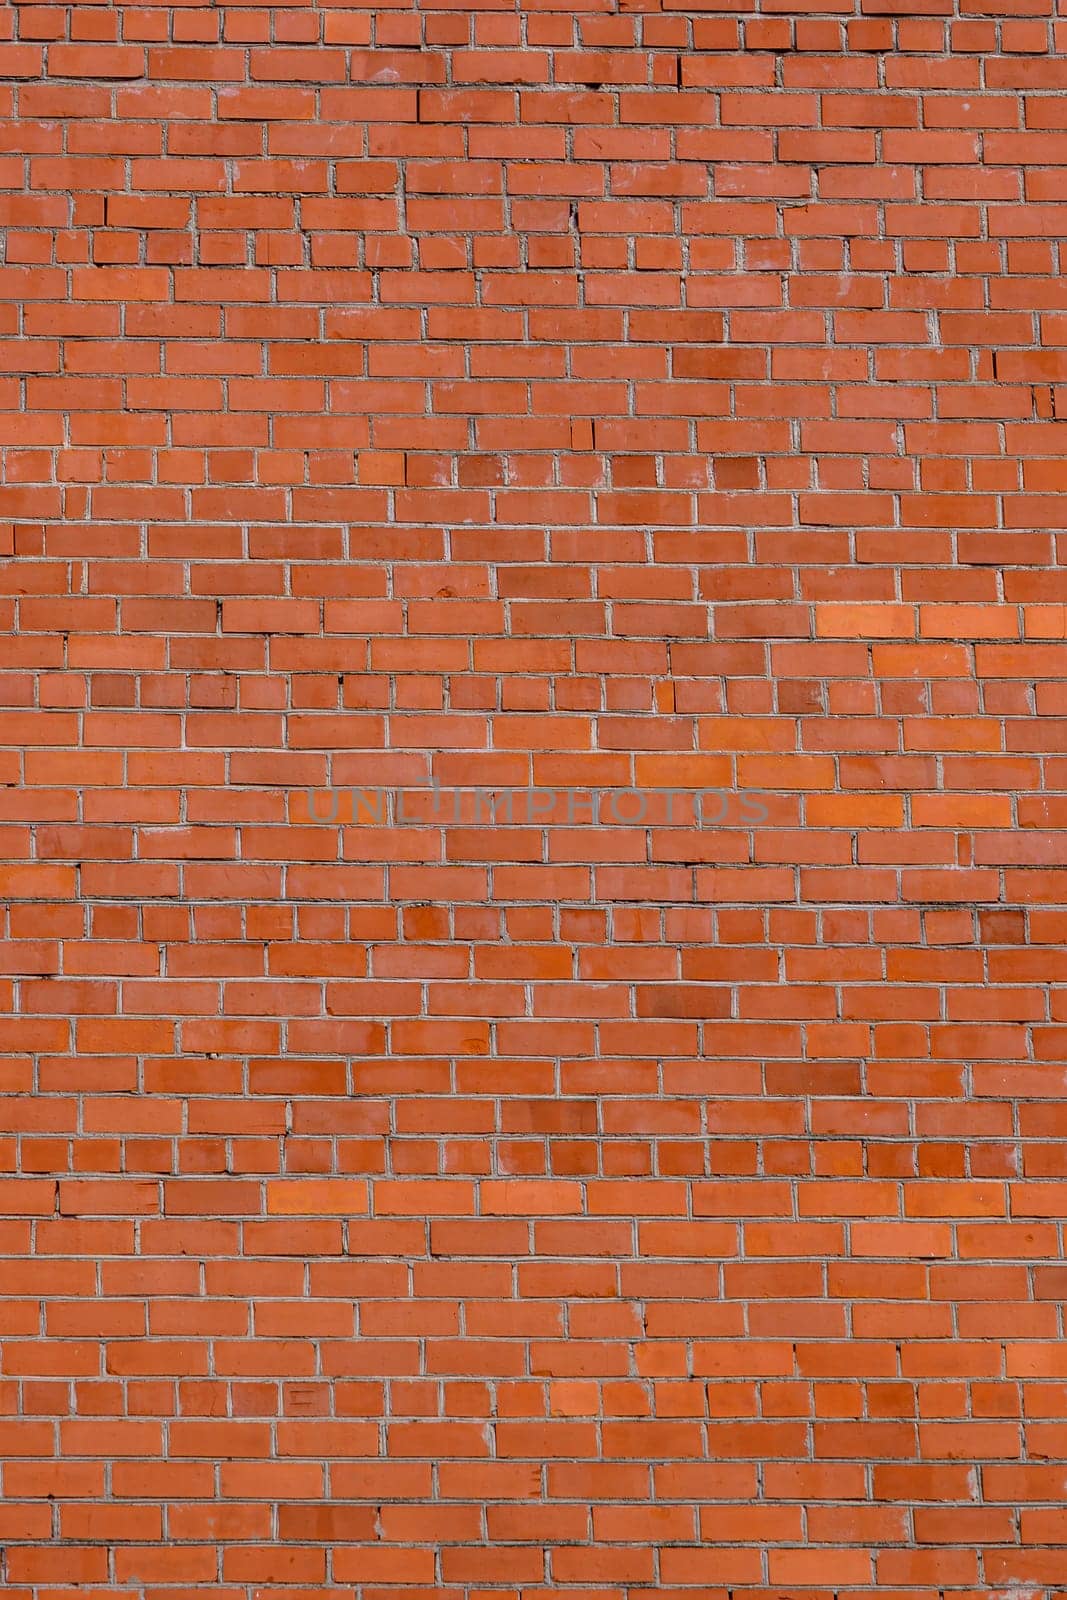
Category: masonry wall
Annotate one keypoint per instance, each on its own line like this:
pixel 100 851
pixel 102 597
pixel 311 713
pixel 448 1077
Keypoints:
pixel 648 406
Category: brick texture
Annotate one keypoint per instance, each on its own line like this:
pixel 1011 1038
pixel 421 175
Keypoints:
pixel 630 396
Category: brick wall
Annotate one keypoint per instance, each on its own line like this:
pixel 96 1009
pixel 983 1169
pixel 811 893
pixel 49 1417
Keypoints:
pixel 630 401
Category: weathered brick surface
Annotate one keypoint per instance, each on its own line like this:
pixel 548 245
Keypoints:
pixel 591 394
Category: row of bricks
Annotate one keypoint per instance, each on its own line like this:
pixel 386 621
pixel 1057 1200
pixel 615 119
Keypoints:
pixel 887 618
pixel 126 936
pixel 820 1569
pixel 790 1071
pixel 337 1523
pixel 986 1263
pixel 428 691
pixel 98 686
pixel 373 925
pixel 874 24
pixel 639 1440
pixel 303 1197
pixel 285 31
pixel 538 54
pixel 634 335
pixel 113 927
pixel 250 1371
pixel 127 767
pixel 829 532
pixel 457 406
pixel 868 710
pixel 604 184
pixel 509 1341
pixel 394 626
pixel 360 339
pixel 395 1482
pixel 900 1049
pixel 684 511
pixel 672 1569
pixel 415 1153
pixel 365 241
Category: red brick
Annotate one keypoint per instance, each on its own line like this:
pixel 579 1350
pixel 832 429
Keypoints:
pixel 432 1201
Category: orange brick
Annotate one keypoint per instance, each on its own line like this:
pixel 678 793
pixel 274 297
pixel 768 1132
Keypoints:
pixel 483 412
